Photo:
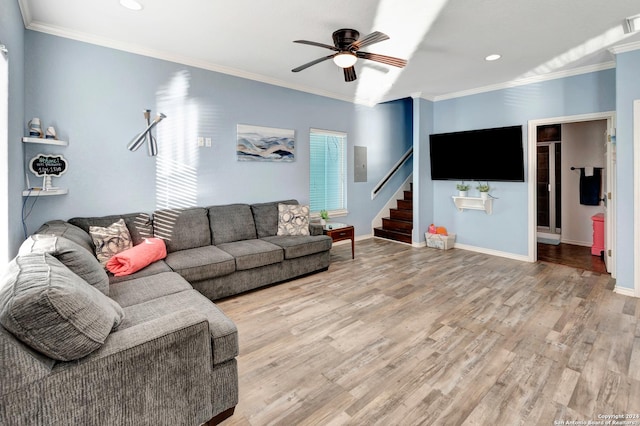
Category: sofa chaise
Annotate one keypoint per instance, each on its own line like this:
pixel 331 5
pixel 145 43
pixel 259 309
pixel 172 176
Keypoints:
pixel 80 346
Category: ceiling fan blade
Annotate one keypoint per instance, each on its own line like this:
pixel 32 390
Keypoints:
pixel 374 37
pixel 315 43
pixel 389 60
pixel 308 64
pixel 349 74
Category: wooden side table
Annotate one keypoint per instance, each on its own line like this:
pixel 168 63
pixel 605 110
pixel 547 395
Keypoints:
pixel 340 232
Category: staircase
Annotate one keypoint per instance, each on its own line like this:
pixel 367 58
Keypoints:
pixel 399 225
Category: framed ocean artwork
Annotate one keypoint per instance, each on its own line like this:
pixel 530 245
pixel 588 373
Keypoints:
pixel 257 143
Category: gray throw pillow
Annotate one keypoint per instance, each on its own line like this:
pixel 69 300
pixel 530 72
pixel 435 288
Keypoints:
pixel 77 259
pixel 52 310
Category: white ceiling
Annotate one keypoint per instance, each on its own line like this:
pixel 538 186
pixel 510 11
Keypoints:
pixel 444 41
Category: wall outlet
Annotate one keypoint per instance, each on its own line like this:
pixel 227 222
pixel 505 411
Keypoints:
pixel 200 141
pixel 207 142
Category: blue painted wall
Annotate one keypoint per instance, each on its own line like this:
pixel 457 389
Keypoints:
pixel 94 96
pixel 627 90
pixel 506 229
pixel 12 35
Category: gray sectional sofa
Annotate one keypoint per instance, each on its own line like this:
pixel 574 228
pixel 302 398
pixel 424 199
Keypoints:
pixel 150 347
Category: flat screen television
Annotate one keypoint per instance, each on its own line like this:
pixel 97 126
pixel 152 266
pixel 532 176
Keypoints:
pixel 478 155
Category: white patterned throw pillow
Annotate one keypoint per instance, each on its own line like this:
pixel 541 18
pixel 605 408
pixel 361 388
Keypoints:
pixel 110 240
pixel 293 219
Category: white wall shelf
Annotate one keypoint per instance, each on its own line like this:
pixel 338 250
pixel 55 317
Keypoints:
pixel 51 191
pixel 44 141
pixel 473 203
pixel 41 193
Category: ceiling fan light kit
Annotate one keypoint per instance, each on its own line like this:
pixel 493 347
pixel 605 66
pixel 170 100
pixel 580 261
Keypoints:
pixel 345 59
pixel 347 45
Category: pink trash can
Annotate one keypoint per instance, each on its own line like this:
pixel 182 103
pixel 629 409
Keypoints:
pixel 597 249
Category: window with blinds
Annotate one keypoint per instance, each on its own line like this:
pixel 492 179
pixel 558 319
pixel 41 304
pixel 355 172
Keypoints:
pixel 328 171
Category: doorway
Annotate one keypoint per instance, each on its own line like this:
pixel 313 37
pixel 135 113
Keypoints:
pixel 561 227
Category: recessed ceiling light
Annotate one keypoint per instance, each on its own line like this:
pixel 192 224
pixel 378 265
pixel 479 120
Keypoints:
pixel 493 57
pixel 131 4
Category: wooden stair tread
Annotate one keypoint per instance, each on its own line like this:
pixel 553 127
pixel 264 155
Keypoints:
pixel 401 214
pixel 397 224
pixel 405 237
pixel 405 204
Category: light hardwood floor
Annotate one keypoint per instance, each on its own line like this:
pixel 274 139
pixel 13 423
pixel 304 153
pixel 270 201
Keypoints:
pixel 413 336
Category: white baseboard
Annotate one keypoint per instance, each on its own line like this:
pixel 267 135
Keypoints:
pixel 394 241
pixel 625 291
pixel 577 243
pixel 470 248
pixel 522 258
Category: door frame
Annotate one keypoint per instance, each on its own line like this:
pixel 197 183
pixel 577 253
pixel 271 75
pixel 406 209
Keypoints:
pixel 636 196
pixel 610 224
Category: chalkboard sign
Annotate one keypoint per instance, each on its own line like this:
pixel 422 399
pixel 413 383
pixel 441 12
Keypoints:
pixel 48 165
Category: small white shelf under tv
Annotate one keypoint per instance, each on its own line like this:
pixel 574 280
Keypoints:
pixel 473 203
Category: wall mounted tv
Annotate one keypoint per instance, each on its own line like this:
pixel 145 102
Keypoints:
pixel 480 155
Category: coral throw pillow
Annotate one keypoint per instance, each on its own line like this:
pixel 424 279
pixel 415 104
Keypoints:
pixel 293 219
pixel 110 240
pixel 132 260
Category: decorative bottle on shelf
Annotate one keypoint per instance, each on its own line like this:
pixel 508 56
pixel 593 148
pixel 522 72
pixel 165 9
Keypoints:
pixel 35 129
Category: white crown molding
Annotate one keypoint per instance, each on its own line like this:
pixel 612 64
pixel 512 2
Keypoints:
pixel 527 80
pixel 26 12
pixel 622 48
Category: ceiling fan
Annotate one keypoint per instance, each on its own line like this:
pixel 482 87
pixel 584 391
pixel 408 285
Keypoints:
pixel 347 45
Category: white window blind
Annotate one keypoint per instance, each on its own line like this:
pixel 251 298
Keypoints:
pixel 328 170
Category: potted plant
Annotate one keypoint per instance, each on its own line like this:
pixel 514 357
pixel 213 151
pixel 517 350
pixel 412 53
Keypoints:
pixel 462 189
pixel 324 216
pixel 484 190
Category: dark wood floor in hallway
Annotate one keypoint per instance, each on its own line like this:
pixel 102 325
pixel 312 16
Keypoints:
pixel 418 336
pixel 571 255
